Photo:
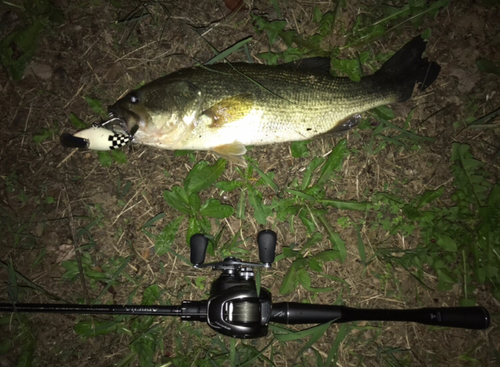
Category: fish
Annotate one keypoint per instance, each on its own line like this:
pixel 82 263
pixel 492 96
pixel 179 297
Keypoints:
pixel 224 108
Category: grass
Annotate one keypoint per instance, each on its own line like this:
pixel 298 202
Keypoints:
pixel 452 229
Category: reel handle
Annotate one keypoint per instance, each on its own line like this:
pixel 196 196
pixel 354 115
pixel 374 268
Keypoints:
pixel 198 243
pixel 267 247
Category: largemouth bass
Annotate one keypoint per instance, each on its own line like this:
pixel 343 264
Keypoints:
pixel 225 107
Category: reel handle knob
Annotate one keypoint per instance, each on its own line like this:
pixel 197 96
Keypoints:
pixel 198 243
pixel 267 247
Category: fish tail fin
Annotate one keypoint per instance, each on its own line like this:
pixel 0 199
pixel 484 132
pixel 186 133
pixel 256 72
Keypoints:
pixel 407 68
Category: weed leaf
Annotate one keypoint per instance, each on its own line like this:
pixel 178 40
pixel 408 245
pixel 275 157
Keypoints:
pixel 105 159
pixel 333 163
pixel 202 176
pixel 166 237
pixel 119 156
pixel 178 199
pixel 151 295
pixel 76 122
pixel 214 209
pixel 316 332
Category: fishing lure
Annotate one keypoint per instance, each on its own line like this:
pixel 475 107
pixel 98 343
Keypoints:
pixel 99 137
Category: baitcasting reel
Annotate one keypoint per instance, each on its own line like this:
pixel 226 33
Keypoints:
pixel 235 308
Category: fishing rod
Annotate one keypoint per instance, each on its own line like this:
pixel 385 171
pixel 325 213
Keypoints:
pixel 236 308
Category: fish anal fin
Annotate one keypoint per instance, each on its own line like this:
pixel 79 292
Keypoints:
pixel 229 109
pixel 233 152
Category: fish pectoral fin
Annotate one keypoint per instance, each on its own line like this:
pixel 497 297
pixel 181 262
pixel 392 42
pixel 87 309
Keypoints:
pixel 230 109
pixel 233 152
pixel 346 124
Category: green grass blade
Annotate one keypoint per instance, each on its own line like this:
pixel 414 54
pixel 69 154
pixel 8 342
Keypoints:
pixel 333 355
pixel 113 278
pixel 222 55
pixel 266 178
pixel 165 239
pixel 335 239
pixel 232 352
pixel 316 332
pixel 12 283
pixel 346 205
pixel 333 163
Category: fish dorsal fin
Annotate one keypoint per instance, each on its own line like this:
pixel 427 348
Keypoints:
pixel 321 64
pixel 229 109
pixel 232 152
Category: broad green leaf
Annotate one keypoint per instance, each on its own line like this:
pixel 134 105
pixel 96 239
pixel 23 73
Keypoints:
pixel 105 159
pixel 487 66
pixel 326 24
pixel 96 106
pixel 228 185
pixel 166 237
pixel 299 149
pixel 328 255
pixel 214 209
pixel 384 112
pixel 202 176
pixel 151 295
pixel 178 199
pixel 76 122
pixel 290 280
pixel 304 278
pixel 317 14
pixel 119 156
pixel 288 252
pixel 195 202
pixel 333 163
pixel 261 212
pixel 447 243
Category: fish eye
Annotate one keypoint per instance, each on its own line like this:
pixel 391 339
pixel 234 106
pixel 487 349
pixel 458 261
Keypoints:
pixel 134 98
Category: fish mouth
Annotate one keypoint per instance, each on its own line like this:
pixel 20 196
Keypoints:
pixel 125 118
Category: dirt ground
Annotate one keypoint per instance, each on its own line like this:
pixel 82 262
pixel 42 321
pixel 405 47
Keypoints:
pixel 49 193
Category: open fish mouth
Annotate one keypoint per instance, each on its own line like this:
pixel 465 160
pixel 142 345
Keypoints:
pixel 116 124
